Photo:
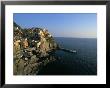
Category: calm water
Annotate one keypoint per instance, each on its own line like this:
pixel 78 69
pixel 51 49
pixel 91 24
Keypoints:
pixel 84 62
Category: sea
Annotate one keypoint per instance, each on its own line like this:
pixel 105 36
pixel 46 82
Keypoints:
pixel 83 62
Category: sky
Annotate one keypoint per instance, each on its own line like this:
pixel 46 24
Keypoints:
pixel 78 25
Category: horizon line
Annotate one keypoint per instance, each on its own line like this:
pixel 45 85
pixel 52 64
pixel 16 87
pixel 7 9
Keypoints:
pixel 76 37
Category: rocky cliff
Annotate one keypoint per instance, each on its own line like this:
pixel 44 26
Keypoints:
pixel 33 48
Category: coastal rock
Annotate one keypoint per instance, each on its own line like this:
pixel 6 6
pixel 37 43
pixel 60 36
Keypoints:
pixel 31 48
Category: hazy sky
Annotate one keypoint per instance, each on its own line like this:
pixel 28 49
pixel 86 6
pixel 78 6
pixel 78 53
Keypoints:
pixel 80 25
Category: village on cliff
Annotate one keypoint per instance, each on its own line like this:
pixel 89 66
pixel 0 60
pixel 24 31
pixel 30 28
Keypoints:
pixel 32 49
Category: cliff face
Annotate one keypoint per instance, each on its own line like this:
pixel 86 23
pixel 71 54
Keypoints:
pixel 33 48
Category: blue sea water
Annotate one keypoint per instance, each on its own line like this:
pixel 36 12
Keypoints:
pixel 84 62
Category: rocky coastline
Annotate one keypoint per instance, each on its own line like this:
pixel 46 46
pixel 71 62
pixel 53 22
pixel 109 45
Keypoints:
pixel 33 48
